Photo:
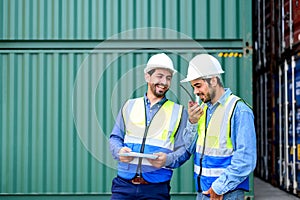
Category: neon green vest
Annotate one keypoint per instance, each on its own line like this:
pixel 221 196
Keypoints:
pixel 214 143
pixel 160 137
pixel 162 129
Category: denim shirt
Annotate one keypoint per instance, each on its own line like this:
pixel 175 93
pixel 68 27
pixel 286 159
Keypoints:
pixel 174 159
pixel 243 139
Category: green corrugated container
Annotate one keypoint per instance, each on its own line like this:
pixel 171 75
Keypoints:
pixel 66 67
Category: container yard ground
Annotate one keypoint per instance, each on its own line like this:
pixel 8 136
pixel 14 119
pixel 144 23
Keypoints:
pixel 265 191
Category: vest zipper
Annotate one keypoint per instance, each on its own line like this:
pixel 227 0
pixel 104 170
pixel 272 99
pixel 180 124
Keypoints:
pixel 139 168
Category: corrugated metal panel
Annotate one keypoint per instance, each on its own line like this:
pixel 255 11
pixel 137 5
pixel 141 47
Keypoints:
pixel 100 19
pixel 58 108
pixel 60 91
pixel 40 150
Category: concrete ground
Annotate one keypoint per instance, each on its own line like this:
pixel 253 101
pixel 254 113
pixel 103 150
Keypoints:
pixel 266 191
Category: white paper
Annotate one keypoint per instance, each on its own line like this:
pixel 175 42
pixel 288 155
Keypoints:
pixel 141 155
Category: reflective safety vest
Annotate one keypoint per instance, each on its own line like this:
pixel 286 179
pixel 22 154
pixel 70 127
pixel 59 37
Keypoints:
pixel 160 136
pixel 214 148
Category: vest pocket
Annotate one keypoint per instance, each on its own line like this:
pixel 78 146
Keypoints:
pixel 123 166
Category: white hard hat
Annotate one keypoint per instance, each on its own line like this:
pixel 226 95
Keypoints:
pixel 203 66
pixel 160 60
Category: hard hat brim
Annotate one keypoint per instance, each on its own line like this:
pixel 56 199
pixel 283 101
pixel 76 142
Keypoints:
pixel 199 77
pixel 187 79
pixel 149 68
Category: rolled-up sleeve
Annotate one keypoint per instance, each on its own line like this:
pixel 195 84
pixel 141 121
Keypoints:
pixel 190 137
pixel 116 139
pixel 180 154
pixel 243 161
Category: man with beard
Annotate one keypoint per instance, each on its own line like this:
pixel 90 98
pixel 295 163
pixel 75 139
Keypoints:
pixel 225 146
pixel 147 138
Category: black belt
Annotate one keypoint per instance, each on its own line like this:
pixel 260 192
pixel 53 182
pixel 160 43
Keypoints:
pixel 138 180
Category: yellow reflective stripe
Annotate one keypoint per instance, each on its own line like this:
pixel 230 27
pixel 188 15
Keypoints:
pixel 201 127
pixel 229 142
pixel 166 111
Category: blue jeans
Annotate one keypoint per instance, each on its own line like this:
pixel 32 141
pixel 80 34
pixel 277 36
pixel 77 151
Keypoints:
pixel 124 190
pixel 235 195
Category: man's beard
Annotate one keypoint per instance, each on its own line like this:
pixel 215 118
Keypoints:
pixel 158 93
pixel 210 95
pixel 207 98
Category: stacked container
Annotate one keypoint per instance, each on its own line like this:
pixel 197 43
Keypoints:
pixel 277 91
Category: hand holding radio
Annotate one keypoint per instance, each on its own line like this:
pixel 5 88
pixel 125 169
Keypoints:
pixel 195 111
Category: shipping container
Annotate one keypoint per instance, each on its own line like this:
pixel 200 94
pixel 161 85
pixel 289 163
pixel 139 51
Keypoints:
pixel 66 67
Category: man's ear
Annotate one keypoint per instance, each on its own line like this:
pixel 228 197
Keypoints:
pixel 214 81
pixel 147 77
